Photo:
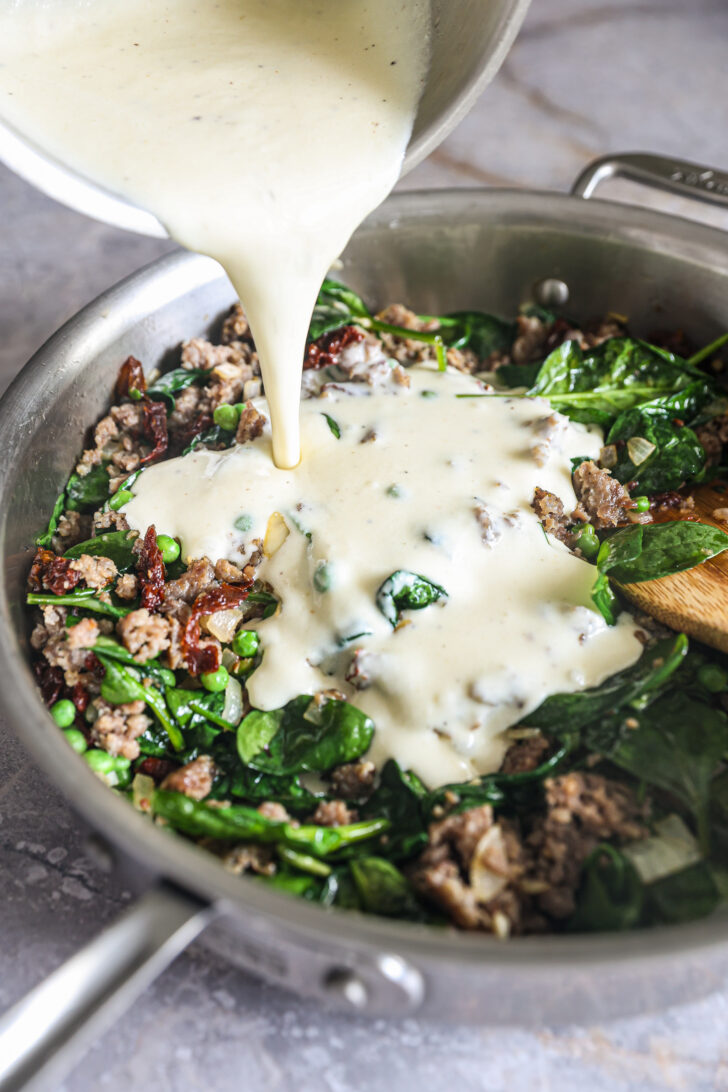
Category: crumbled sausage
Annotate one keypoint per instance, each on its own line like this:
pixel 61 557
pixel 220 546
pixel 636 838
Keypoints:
pixel 117 728
pixel 83 634
pixel 271 809
pixel 583 809
pixel 194 780
pixel 249 857
pixel 235 327
pixel 198 577
pixel 550 511
pixel 109 521
pixel 145 635
pixel 127 586
pixel 525 755
pixel 354 780
pixel 603 500
pixel 441 875
pixel 96 572
pixel 332 813
pixel 250 425
pixel 227 572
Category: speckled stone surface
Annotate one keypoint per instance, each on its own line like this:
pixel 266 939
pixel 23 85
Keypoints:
pixel 583 79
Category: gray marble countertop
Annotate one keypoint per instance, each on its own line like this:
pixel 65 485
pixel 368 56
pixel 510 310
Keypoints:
pixel 582 80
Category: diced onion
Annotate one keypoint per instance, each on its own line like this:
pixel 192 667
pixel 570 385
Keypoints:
pixel 232 710
pixel 222 624
pixel 639 449
pixel 670 849
pixel 142 792
pixel 276 534
pixel 489 870
pixel 608 456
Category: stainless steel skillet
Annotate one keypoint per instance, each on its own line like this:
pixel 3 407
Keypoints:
pixel 437 251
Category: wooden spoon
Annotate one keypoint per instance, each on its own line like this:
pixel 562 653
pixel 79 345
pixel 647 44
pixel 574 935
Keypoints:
pixel 694 602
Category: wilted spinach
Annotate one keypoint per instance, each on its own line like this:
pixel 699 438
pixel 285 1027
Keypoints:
pixel 633 688
pixel 305 734
pixel 610 894
pixel 399 797
pixel 640 552
pixel 676 743
pixel 117 545
pixel 87 493
pixel 242 824
pixel 382 889
pixel 596 385
pixel 171 383
pixel 404 590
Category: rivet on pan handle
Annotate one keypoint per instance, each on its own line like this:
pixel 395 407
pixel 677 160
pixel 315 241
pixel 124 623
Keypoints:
pixel 676 176
pixel 46 1032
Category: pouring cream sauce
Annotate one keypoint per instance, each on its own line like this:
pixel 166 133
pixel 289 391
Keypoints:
pixel 423 480
pixel 260 132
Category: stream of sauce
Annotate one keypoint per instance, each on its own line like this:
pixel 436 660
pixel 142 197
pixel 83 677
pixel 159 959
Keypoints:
pixel 260 132
pixel 423 480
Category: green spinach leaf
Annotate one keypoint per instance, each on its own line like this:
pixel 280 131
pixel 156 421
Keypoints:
pixel 382 889
pixel 634 687
pixel 597 385
pixel 116 545
pixel 654 550
pixel 610 894
pixel 399 797
pixel 311 735
pixel 166 386
pixel 85 494
pixel 404 590
pixel 677 744
pixel 242 824
pixel 483 334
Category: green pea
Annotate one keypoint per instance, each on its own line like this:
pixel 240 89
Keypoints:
pixel 121 497
pixel 244 522
pixel 587 540
pixel 245 643
pixel 169 548
pixel 215 680
pixel 63 713
pixel 104 763
pixel 713 678
pixel 641 504
pixel 394 491
pixel 76 740
pixel 227 417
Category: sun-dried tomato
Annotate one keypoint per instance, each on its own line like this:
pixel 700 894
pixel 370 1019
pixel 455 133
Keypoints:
pixel 202 657
pixel 156 768
pixel 154 429
pixel 131 378
pixel 79 697
pixel 151 571
pixel 52 573
pixel 325 350
pixel 50 681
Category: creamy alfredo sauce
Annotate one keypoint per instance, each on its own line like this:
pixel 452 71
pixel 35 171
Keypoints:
pixel 420 480
pixel 260 132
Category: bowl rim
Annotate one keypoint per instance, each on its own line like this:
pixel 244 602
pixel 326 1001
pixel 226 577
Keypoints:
pixel 182 862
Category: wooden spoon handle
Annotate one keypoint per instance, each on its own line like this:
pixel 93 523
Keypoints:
pixel 694 602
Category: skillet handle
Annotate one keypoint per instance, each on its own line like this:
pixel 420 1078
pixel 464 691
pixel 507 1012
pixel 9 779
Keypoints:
pixel 677 176
pixel 46 1032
